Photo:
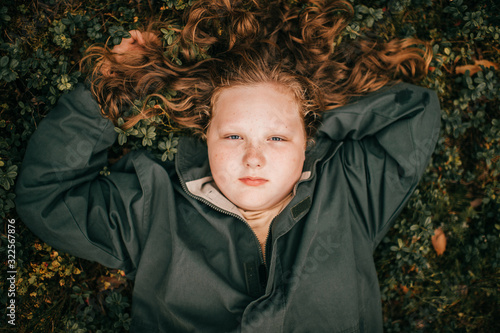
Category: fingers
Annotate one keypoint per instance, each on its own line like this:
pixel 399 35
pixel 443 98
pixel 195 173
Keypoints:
pixel 136 40
pixel 134 45
pixel 137 37
pixel 141 37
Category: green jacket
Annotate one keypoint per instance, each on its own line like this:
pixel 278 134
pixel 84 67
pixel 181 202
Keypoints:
pixel 197 265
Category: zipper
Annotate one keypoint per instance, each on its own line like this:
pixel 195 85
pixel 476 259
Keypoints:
pixel 263 255
pixel 263 258
pixel 294 191
pixel 267 241
pixel 220 210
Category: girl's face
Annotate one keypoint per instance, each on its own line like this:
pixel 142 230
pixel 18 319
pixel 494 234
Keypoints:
pixel 256 145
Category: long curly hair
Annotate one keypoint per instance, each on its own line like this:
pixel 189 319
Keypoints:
pixel 298 46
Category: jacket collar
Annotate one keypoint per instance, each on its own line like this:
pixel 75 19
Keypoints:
pixel 194 173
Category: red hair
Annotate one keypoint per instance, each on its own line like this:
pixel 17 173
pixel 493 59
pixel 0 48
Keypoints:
pixel 300 47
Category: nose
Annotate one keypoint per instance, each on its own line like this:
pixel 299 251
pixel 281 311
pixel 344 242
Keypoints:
pixel 254 157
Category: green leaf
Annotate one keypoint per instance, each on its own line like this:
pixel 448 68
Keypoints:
pixel 122 139
pixel 468 79
pixel 118 130
pixel 369 21
pixel 400 243
pixel 4 61
pixel 4 182
pixel 14 63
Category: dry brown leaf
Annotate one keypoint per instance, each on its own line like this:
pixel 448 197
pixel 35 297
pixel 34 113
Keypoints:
pixel 462 290
pixel 439 241
pixel 404 289
pixel 476 202
pixel 110 282
pixel 473 69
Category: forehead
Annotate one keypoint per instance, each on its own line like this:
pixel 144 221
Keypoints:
pixel 269 100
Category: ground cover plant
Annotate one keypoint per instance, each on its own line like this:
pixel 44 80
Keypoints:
pixel 439 267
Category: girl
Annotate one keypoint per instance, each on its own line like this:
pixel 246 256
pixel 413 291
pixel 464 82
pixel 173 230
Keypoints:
pixel 268 218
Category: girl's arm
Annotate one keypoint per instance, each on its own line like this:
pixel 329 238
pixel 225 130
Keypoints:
pixel 389 137
pixel 61 196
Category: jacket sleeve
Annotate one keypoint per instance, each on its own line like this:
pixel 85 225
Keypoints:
pixel 388 138
pixel 63 199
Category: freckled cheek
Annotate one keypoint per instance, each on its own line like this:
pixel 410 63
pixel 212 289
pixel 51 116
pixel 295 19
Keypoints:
pixel 288 163
pixel 223 164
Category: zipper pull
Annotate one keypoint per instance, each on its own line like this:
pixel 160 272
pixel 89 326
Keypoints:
pixel 252 279
pixel 256 278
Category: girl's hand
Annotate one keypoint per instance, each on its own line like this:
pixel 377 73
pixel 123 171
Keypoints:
pixel 129 47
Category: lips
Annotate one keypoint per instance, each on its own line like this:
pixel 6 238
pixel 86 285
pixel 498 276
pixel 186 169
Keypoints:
pixel 253 181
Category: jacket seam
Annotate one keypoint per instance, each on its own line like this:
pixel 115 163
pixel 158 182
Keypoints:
pixel 396 213
pixel 91 242
pixel 146 193
pixel 106 125
pixel 415 180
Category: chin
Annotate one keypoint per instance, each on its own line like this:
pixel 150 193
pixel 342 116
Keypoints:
pixel 255 206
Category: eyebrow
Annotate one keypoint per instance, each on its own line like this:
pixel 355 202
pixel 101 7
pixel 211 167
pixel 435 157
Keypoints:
pixel 231 125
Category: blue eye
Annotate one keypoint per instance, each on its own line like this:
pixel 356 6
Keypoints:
pixel 276 138
pixel 234 137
